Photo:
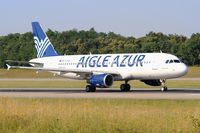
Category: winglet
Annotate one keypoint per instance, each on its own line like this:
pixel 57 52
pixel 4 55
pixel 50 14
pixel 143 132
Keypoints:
pixel 8 67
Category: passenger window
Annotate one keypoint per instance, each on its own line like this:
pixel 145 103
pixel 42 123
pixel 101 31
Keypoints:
pixel 171 61
pixel 167 61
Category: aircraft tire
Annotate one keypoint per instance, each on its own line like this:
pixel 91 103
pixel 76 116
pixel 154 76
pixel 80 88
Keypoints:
pixel 90 88
pixel 93 88
pixel 87 88
pixel 122 87
pixel 128 87
pixel 164 88
pixel 125 87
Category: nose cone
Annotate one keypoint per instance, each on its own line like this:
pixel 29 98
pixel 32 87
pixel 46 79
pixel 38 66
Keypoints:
pixel 183 69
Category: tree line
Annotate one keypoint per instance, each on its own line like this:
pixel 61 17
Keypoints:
pixel 21 46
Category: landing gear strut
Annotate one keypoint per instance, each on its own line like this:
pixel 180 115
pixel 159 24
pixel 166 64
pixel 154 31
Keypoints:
pixel 125 87
pixel 164 88
pixel 90 88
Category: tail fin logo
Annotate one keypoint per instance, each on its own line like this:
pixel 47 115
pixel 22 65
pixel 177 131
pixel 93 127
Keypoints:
pixel 41 46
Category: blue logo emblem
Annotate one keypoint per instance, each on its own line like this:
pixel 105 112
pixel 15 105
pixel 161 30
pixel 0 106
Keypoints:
pixel 41 46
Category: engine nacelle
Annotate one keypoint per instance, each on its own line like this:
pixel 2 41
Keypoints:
pixel 152 82
pixel 101 80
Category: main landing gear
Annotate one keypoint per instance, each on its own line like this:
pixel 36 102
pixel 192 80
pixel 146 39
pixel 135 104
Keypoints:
pixel 90 88
pixel 164 88
pixel 125 87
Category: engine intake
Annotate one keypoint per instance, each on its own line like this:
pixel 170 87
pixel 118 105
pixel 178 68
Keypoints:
pixel 101 80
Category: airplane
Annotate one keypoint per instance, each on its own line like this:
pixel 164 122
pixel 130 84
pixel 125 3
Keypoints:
pixel 101 70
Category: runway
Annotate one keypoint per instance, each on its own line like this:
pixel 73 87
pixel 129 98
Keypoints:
pixel 173 93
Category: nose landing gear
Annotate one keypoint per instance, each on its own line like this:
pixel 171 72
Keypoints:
pixel 164 88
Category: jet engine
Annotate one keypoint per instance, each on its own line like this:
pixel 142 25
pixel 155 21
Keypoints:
pixel 101 80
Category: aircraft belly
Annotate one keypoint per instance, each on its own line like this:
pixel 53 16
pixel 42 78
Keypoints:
pixel 152 74
pixel 72 76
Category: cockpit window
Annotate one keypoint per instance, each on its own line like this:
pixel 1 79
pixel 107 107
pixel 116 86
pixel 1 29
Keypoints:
pixel 176 61
pixel 171 61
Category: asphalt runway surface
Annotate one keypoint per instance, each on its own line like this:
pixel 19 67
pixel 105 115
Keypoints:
pixel 172 93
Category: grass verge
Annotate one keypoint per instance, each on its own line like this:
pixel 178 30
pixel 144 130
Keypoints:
pixel 99 115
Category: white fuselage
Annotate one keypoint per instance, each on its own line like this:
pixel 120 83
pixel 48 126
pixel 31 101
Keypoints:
pixel 128 66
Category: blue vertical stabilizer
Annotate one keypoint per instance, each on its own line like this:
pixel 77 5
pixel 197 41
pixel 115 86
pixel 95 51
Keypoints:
pixel 42 43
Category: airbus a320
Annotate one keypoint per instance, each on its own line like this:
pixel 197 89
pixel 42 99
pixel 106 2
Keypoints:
pixel 101 70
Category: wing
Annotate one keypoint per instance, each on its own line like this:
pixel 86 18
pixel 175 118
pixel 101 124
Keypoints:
pixel 78 71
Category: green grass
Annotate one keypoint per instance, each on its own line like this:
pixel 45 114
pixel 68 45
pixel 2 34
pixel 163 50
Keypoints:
pixel 98 116
pixel 193 72
pixel 23 73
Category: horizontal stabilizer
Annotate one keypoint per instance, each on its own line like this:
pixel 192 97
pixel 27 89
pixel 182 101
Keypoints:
pixel 35 64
